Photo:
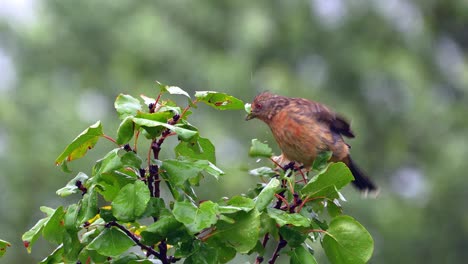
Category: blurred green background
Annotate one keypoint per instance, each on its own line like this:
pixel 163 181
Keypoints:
pixel 397 68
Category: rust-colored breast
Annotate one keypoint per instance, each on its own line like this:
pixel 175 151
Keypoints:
pixel 296 136
pixel 301 136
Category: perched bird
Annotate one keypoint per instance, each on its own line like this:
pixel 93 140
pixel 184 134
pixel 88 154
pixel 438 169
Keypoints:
pixel 303 129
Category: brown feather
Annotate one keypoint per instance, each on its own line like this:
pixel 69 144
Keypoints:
pixel 304 128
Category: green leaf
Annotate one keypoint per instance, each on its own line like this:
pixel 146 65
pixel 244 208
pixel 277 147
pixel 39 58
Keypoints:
pixel 71 247
pixel 284 218
pixel 166 226
pixel 30 237
pixel 71 216
pixel 55 257
pixel 203 254
pixel 111 242
pixel 347 241
pixel 88 206
pixel 109 163
pixel 132 160
pixel 184 134
pixel 64 167
pixel 334 209
pixel 295 236
pixel 237 203
pixel 126 105
pixel 109 184
pixel 196 218
pixel 263 172
pixel 199 148
pixel 321 161
pixel 156 208
pixel 265 197
pixel 131 201
pixel 147 100
pixel 106 214
pixel 180 170
pixel 54 227
pixel 80 145
pixel 160 116
pixel 243 234
pixel 132 258
pixel 328 182
pixel 112 172
pixel 85 254
pixel 3 247
pixel 220 101
pixel 300 255
pixel 259 149
pixel 177 90
pixel 268 225
pixel 125 131
pixel 225 252
pixel 72 186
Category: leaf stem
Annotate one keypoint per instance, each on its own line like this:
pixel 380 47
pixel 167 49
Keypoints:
pixel 137 134
pixel 110 139
pixel 308 199
pixel 194 102
pixel 153 107
pixel 317 231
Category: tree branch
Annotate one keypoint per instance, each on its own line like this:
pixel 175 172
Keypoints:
pixel 281 244
pixel 149 249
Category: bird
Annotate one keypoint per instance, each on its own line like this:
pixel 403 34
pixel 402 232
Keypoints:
pixel 303 129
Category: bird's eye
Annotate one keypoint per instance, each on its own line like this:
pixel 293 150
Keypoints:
pixel 258 106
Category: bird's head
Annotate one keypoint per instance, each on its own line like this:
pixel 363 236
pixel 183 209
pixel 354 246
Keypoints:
pixel 266 105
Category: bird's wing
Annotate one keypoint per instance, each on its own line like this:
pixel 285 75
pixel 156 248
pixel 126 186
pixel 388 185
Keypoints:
pixel 336 122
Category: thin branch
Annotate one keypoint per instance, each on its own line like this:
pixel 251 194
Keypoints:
pixel 194 102
pixel 259 258
pixel 280 197
pixel 163 249
pixel 137 134
pixel 152 107
pixel 281 244
pixel 304 177
pixel 149 249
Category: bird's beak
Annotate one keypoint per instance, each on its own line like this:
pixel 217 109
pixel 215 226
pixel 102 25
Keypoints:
pixel 249 116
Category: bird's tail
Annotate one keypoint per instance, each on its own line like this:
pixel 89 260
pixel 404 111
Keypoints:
pixel 361 181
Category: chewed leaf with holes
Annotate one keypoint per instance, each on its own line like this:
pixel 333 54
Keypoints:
pixel 220 101
pixel 3 246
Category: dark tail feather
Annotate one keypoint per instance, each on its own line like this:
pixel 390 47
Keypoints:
pixel 361 181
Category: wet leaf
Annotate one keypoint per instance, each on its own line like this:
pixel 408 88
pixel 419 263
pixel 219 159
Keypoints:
pixel 81 144
pixel 220 101
pixel 347 242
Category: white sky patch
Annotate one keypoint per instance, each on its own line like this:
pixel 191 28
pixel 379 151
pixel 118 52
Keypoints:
pixel 313 69
pixel 450 58
pixel 3 142
pixel 410 183
pixel 92 106
pixel 331 12
pixel 7 72
pixel 402 14
pixel 19 11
